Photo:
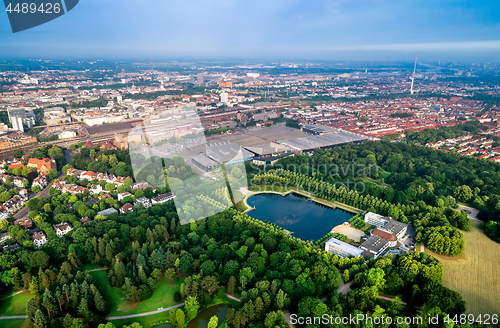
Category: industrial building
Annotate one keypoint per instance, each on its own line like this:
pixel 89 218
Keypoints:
pixel 318 129
pixel 269 153
pixel 324 141
pixel 223 153
pixel 109 129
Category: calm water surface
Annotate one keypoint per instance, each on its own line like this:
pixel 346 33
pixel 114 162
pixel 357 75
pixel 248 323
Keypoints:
pixel 306 219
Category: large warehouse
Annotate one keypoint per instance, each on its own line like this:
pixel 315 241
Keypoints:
pixel 324 141
pixel 110 129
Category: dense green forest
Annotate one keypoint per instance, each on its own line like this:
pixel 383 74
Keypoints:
pixel 267 269
pixel 444 132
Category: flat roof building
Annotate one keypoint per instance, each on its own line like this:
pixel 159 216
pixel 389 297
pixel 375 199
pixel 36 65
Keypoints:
pixel 269 153
pixel 203 162
pixel 376 219
pixel 107 212
pixel 318 129
pixel 342 249
pixel 324 141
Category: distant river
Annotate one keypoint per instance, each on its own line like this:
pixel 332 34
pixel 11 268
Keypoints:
pixel 307 220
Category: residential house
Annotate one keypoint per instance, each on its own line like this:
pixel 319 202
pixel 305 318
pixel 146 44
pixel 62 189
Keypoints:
pixel 141 185
pixel 39 238
pixel 18 181
pixel 84 220
pixel 8 248
pixel 42 166
pixel 15 165
pixel 89 175
pixel 62 228
pixel 123 195
pixel 144 201
pixel 4 236
pixel 25 222
pixel 71 188
pixel 95 189
pixel 75 172
pixel 4 213
pixel 125 208
pixel 41 181
pixel 15 203
pixel 162 198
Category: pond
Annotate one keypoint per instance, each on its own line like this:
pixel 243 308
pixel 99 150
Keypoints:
pixel 307 220
pixel 202 319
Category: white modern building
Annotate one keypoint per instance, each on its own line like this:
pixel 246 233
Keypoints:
pixel 376 219
pixel 224 97
pixel 144 201
pixel 342 249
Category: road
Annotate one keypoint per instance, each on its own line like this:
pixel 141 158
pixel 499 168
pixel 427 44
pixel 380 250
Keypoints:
pixel 144 314
pixel 344 288
pixel 42 194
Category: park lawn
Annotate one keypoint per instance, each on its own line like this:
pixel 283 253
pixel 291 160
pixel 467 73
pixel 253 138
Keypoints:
pixel 163 296
pixel 241 206
pixel 88 266
pixel 146 322
pixel 15 305
pixel 111 295
pixel 384 174
pixel 474 274
pixel 13 323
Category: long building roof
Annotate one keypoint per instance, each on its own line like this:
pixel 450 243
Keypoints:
pixel 107 128
pixel 324 141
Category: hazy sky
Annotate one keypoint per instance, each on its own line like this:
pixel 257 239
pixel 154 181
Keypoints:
pixel 266 29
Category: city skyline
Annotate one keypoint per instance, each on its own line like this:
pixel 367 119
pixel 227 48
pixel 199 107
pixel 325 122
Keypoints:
pixel 281 30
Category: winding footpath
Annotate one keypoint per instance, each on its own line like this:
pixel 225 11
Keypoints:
pixel 145 313
pixel 19 292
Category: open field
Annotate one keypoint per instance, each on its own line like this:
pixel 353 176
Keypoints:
pixel 474 274
pixel 13 323
pixel 15 305
pixel 154 319
pixel 163 296
pixel 350 232
pixel 146 322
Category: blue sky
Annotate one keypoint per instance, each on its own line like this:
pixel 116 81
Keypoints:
pixel 271 29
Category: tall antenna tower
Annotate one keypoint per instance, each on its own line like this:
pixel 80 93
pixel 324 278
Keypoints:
pixel 413 76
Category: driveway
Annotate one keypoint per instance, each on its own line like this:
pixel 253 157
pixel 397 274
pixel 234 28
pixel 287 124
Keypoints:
pixel 471 212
